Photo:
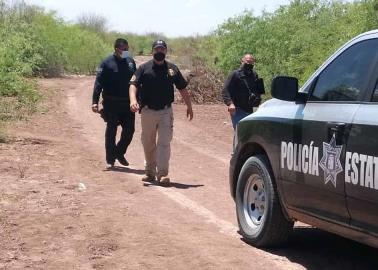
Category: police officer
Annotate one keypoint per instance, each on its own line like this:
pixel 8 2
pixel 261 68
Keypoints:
pixel 112 80
pixel 242 90
pixel 154 81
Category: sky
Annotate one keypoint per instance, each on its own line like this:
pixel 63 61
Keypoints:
pixel 173 18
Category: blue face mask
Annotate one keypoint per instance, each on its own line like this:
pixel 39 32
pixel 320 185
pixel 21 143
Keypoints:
pixel 125 54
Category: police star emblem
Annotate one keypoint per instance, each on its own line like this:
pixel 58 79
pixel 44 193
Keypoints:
pixel 330 162
pixel 171 72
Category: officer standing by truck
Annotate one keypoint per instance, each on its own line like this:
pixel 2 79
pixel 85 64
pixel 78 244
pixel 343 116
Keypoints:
pixel 242 90
pixel 112 80
pixel 155 81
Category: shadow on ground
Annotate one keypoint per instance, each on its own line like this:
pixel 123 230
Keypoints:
pixel 126 170
pixel 172 185
pixel 316 249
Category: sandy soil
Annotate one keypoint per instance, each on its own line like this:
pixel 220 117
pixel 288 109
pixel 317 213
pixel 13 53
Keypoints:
pixel 60 209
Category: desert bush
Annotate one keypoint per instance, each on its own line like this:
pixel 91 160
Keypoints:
pixel 206 84
pixel 38 43
pixel 93 22
pixel 19 57
pixel 294 40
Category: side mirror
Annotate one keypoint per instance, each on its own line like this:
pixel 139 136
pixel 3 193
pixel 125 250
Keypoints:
pixel 285 88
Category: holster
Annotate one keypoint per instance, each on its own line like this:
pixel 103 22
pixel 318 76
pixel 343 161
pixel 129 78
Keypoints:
pixel 102 115
pixel 254 100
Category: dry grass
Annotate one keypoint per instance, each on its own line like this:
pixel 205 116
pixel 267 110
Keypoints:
pixel 23 167
pixel 205 84
pixel 3 136
pixel 12 109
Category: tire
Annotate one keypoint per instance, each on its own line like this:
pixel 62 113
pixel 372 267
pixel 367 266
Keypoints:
pixel 259 212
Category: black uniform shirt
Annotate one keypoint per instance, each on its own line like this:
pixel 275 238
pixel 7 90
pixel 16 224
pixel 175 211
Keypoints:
pixel 156 83
pixel 235 89
pixel 113 78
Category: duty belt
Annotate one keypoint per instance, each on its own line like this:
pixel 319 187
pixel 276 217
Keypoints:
pixel 156 108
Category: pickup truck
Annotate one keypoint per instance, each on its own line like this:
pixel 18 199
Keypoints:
pixel 311 154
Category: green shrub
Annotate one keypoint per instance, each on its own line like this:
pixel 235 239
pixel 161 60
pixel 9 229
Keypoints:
pixel 36 43
pixel 294 40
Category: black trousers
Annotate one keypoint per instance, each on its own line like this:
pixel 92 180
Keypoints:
pixel 127 121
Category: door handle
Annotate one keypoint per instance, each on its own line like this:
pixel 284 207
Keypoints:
pixel 337 130
pixel 337 127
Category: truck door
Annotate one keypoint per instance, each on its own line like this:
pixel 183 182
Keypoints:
pixel 361 165
pixel 318 185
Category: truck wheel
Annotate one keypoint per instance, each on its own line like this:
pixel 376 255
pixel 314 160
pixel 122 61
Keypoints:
pixel 259 212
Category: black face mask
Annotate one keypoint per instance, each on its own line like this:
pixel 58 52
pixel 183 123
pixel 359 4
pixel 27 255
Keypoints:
pixel 159 56
pixel 248 67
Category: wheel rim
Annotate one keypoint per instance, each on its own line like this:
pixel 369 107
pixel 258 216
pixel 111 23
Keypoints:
pixel 254 203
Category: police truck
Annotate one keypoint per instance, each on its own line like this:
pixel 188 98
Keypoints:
pixel 311 154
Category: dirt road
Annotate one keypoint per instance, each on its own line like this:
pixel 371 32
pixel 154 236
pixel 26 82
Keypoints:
pixel 59 208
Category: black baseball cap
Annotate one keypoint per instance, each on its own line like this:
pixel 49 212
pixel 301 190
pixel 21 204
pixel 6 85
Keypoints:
pixel 159 43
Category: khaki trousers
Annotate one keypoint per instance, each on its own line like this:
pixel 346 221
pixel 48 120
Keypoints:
pixel 157 133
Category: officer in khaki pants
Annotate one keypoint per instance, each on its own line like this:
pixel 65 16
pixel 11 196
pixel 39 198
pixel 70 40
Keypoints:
pixel 155 81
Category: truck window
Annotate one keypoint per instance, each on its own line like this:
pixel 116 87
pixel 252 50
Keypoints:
pixel 347 76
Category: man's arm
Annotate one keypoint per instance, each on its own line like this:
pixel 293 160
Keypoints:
pixel 135 82
pixel 181 84
pixel 226 96
pixel 98 86
pixel 134 64
pixel 186 97
pixel 134 105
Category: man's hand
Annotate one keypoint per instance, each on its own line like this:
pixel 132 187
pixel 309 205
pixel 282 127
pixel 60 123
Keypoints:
pixel 231 108
pixel 95 108
pixel 134 106
pixel 189 113
pixel 186 97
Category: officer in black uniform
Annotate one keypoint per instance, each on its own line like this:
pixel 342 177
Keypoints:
pixel 242 90
pixel 112 80
pixel 154 81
